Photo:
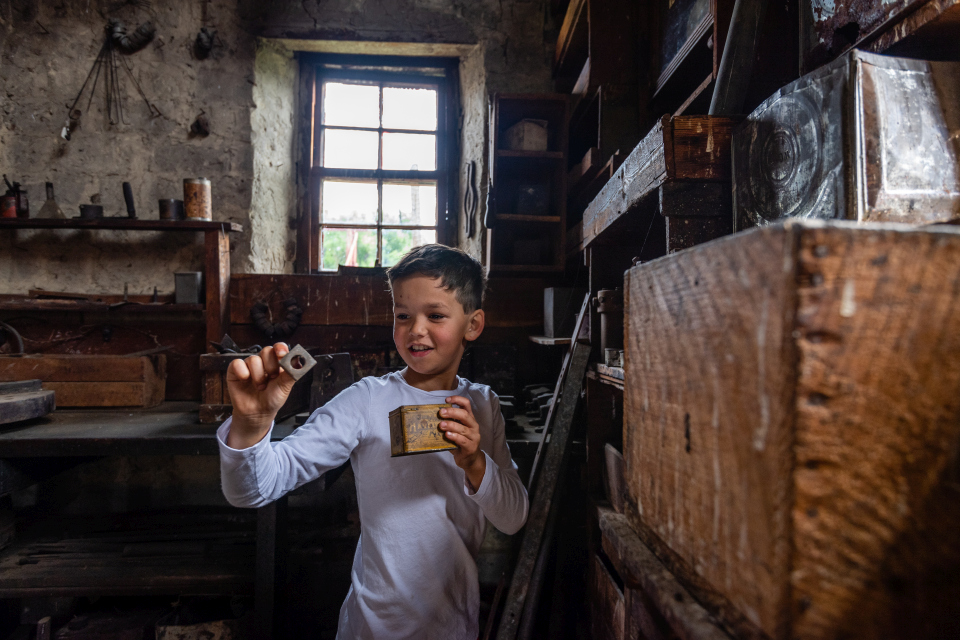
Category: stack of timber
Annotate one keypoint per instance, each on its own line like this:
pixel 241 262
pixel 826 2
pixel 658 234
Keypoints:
pixel 93 381
pixel 792 427
pixel 680 170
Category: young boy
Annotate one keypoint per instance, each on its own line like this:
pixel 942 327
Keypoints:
pixel 422 517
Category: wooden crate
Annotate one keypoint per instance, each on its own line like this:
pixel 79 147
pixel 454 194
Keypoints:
pixel 93 380
pixel 681 169
pixel 792 427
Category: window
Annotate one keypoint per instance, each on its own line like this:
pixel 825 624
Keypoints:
pixel 379 166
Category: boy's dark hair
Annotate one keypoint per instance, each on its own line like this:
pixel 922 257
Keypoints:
pixel 457 272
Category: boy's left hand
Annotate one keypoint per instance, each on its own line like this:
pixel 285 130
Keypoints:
pixel 463 430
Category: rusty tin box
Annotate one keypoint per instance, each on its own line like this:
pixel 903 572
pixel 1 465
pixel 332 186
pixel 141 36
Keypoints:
pixel 416 429
pixel 867 138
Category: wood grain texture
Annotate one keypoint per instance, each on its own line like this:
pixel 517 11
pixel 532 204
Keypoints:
pixel 681 148
pixel 664 599
pixel 707 416
pixel 793 422
pixel 366 301
pixel 876 519
pixel 606 603
pixel 94 381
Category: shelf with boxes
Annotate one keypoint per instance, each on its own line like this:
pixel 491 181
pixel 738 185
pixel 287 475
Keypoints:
pixel 527 206
pixel 596 62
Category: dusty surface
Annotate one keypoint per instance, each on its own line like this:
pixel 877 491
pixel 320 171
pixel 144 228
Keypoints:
pixel 247 90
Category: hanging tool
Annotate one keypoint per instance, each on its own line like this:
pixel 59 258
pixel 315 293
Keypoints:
pixel 128 199
pixel 109 62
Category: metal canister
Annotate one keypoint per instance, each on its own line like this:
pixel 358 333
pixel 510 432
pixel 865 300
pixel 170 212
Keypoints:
pixel 416 429
pixel 197 201
pixel 8 206
pixel 610 307
pixel 171 209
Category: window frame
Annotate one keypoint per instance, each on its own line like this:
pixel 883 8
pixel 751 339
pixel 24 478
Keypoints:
pixel 381 71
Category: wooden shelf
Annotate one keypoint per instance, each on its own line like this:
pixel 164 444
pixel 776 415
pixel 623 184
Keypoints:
pixel 119 224
pixel 545 155
pixel 682 148
pixel 550 342
pixel 33 304
pixel 700 34
pixel 603 374
pixel 524 268
pixel 156 554
pixel 516 217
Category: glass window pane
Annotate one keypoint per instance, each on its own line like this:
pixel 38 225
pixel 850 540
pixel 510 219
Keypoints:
pixel 406 151
pixel 351 202
pixel 351 105
pixel 397 242
pixel 343 149
pixel 412 204
pixel 407 108
pixel 349 247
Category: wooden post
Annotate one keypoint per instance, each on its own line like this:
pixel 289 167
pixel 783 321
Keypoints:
pixel 271 574
pixel 217 275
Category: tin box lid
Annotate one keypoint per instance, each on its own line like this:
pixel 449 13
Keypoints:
pixel 196 181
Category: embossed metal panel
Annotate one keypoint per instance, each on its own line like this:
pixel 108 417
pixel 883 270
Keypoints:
pixel 867 137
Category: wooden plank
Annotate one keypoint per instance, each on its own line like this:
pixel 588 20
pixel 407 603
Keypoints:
pixel 366 301
pixel 716 474
pixel 642 170
pixel 681 148
pixel 77 368
pixel 119 224
pixel 606 603
pixel 101 394
pixel 584 170
pixel 931 30
pixel 640 569
pixel 543 497
pixel 789 386
pixel 217 275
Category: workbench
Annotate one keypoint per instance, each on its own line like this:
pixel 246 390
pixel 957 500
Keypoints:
pixel 193 553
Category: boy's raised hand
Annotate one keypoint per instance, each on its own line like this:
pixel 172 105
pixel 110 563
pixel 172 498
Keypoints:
pixel 463 430
pixel 258 388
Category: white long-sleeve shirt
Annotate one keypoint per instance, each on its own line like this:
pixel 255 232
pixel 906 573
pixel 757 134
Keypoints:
pixel 414 572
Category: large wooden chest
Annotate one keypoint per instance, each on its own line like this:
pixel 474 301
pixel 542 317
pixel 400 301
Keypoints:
pixel 792 427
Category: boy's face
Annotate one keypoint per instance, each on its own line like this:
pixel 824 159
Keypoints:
pixel 430 327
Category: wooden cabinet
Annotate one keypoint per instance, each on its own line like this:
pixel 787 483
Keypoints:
pixel 526 217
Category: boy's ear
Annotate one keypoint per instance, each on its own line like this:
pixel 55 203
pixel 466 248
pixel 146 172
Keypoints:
pixel 474 325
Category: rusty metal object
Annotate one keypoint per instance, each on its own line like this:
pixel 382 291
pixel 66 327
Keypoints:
pixel 297 356
pixel 197 200
pixel 8 206
pixel 416 429
pixel 867 138
pixel 610 308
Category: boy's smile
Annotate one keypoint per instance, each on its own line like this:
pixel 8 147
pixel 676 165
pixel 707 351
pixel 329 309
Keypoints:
pixel 430 331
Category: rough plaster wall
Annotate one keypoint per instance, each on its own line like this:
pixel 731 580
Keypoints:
pixel 41 73
pixel 272 208
pixel 246 103
pixel 512 54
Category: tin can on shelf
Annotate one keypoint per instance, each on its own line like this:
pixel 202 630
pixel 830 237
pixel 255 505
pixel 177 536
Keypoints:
pixel 171 209
pixel 416 429
pixel 197 201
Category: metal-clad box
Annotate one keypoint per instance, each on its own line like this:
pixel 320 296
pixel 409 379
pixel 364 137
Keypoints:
pixel 866 138
pixel 416 429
